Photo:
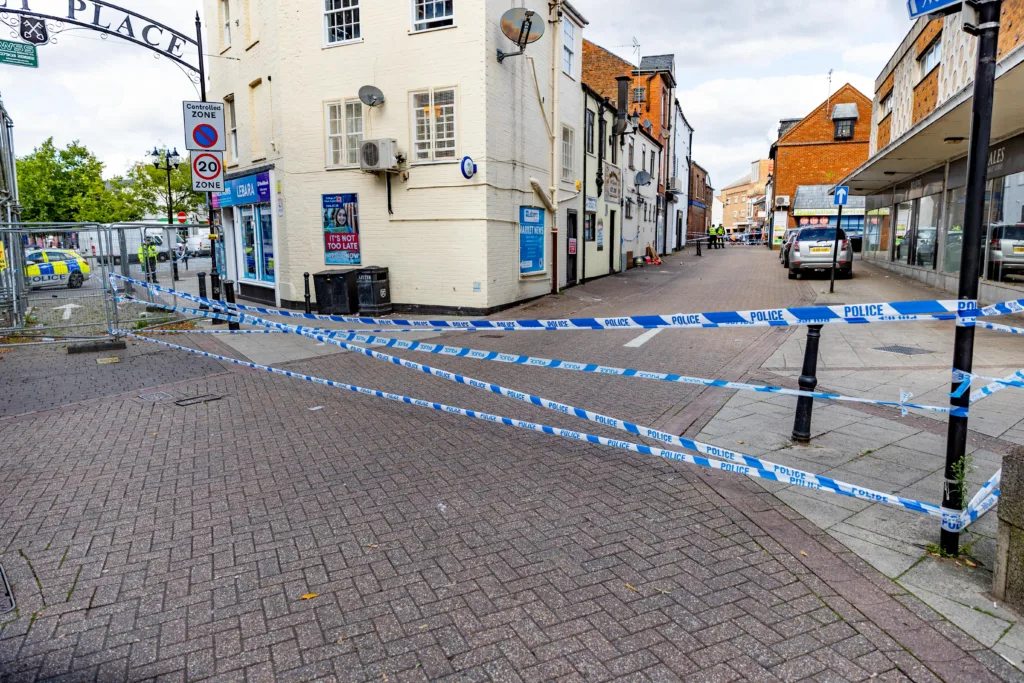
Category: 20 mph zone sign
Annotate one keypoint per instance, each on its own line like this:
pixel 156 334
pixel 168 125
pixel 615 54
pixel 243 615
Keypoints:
pixel 204 126
pixel 208 171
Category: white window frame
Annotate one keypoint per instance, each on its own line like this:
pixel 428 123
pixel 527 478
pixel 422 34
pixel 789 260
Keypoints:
pixel 449 19
pixel 355 5
pixel 432 122
pixel 933 54
pixel 231 119
pixel 225 18
pixel 348 140
pixel 885 106
pixel 568 47
pixel 568 152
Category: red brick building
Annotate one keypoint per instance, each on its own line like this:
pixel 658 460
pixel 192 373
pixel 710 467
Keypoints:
pixel 701 195
pixel 821 149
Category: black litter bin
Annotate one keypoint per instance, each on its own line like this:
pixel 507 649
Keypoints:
pixel 374 291
pixel 336 292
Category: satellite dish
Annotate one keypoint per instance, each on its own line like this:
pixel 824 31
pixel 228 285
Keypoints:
pixel 371 96
pixel 643 178
pixel 522 26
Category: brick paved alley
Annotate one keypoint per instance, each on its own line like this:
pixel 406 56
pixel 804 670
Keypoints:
pixel 290 531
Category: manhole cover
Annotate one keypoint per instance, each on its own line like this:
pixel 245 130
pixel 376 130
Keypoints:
pixel 158 396
pixel 205 398
pixel 902 350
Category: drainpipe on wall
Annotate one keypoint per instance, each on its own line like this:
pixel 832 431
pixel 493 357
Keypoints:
pixel 556 127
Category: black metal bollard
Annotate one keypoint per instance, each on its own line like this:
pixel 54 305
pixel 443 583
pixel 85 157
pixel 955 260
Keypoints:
pixel 202 290
pixel 698 246
pixel 215 292
pixel 229 296
pixel 305 278
pixel 808 381
pixel 174 265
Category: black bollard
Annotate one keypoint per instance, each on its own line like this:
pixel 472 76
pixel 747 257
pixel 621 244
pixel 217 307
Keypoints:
pixel 229 296
pixel 305 278
pixel 174 265
pixel 215 291
pixel 808 381
pixel 698 246
pixel 202 290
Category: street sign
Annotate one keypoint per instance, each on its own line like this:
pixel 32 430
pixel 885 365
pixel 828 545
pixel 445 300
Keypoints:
pixel 18 54
pixel 841 195
pixel 204 126
pixel 208 172
pixel 182 217
pixel 917 8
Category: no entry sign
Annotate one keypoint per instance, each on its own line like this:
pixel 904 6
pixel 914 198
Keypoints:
pixel 182 217
pixel 208 172
pixel 204 126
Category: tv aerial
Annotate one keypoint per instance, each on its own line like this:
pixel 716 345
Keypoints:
pixel 371 96
pixel 522 26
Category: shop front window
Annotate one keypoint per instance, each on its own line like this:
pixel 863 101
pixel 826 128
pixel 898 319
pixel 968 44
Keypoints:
pixel 877 226
pixel 904 211
pixel 266 243
pixel 924 240
pixel 248 224
pixel 1004 230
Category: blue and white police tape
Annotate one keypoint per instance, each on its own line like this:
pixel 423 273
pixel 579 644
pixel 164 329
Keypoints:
pixel 986 489
pixel 996 385
pixel 1004 308
pixel 953 519
pixel 461 352
pixel 211 331
pixel 999 328
pixel 900 311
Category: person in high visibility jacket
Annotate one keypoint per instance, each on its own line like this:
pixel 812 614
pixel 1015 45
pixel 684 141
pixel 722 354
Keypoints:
pixel 147 258
pixel 721 236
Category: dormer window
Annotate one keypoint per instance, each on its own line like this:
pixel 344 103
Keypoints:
pixel 844 129
pixel 844 116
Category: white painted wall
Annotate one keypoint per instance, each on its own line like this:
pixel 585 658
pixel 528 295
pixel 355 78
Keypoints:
pixel 449 242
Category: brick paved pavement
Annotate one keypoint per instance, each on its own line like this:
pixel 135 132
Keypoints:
pixel 148 540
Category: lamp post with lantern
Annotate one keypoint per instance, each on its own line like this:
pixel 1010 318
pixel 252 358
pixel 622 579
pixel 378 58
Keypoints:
pixel 168 161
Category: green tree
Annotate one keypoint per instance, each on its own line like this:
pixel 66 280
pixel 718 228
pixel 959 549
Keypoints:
pixel 66 185
pixel 150 184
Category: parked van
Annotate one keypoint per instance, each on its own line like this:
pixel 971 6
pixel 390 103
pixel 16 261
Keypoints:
pixel 89 244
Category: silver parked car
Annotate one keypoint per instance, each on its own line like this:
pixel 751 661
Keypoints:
pixel 1005 251
pixel 787 238
pixel 811 249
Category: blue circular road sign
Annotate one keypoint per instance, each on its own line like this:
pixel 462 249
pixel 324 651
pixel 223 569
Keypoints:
pixel 205 135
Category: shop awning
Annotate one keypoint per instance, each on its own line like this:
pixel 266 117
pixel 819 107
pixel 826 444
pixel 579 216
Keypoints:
pixel 923 147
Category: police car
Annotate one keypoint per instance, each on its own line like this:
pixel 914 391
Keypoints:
pixel 55 268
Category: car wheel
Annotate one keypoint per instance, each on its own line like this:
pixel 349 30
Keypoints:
pixel 792 274
pixel 75 280
pixel 117 260
pixel 162 256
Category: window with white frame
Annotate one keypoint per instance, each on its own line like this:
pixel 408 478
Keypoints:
pixel 931 57
pixel 568 152
pixel 433 124
pixel 344 132
pixel 568 47
pixel 341 21
pixel 229 106
pixel 430 14
pixel 885 106
pixel 225 15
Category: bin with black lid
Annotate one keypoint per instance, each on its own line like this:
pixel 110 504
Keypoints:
pixel 336 292
pixel 374 291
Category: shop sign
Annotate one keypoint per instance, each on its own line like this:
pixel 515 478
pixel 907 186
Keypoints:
pixel 847 211
pixel 612 183
pixel 591 204
pixel 18 54
pixel 341 229
pixel 250 189
pixel 531 241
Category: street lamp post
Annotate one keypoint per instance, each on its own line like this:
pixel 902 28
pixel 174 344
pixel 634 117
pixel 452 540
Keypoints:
pixel 168 161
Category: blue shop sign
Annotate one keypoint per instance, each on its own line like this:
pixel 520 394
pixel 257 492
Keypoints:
pixel 250 189
pixel 531 241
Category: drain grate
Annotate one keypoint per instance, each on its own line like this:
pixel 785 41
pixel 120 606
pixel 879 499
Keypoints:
pixel 158 396
pixel 902 350
pixel 196 400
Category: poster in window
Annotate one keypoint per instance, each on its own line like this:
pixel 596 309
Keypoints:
pixel 341 229
pixel 531 241
pixel 600 234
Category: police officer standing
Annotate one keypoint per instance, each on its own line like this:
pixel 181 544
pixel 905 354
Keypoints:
pixel 147 258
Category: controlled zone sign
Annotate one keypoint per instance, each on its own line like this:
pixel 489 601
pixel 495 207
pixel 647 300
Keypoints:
pixel 204 126
pixel 208 172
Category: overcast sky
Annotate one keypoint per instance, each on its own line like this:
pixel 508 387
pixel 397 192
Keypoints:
pixel 741 66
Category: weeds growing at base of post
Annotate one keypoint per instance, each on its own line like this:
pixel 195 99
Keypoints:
pixel 962 469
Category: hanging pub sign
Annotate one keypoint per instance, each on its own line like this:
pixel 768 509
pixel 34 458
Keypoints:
pixel 341 229
pixel 612 183
pixel 34 31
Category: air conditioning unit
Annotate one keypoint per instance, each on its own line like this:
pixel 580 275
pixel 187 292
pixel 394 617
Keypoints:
pixel 782 201
pixel 675 185
pixel 378 155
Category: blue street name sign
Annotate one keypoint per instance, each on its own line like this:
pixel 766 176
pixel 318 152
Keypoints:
pixel 841 195
pixel 917 8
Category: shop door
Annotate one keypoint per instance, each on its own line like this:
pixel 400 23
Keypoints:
pixel 611 243
pixel 679 230
pixel 571 248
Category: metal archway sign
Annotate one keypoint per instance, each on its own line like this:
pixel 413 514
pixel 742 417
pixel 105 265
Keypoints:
pixel 44 19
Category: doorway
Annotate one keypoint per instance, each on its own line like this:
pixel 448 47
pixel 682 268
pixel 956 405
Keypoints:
pixel 611 243
pixel 571 248
pixel 679 230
